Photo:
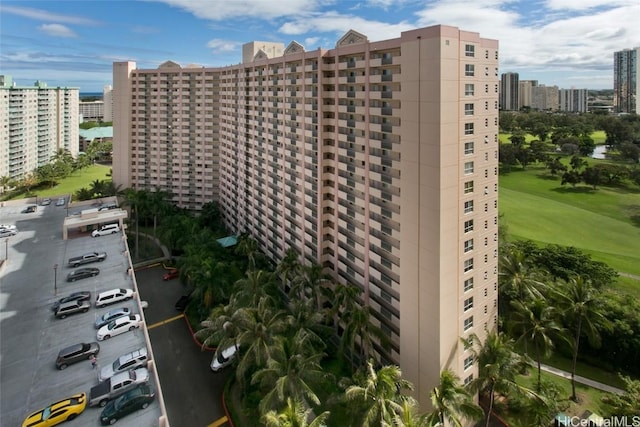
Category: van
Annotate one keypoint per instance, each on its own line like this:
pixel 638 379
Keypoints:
pixel 106 229
pixel 133 360
pixel 113 296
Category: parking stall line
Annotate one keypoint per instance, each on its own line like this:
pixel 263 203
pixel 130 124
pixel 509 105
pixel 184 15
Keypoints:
pixel 180 316
pixel 218 423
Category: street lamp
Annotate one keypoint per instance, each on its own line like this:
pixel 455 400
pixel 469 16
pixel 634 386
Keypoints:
pixel 55 279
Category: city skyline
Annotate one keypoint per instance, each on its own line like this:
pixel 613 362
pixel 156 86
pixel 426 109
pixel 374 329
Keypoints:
pixel 568 43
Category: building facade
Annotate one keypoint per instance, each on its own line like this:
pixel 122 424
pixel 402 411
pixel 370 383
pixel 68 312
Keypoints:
pixel 573 100
pixel 35 122
pixel 545 98
pixel 625 81
pixel 378 160
pixel 510 92
pixel 91 111
pixel 107 98
pixel 525 90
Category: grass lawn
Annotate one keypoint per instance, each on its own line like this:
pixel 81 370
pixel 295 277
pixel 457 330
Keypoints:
pixel 589 398
pixel 598 137
pixel 604 222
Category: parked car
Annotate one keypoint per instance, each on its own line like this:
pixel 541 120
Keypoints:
pixel 61 201
pixel 113 296
pixel 131 401
pixel 76 296
pixel 5 232
pixel 105 229
pixel 30 209
pixel 8 227
pixel 58 412
pixel 133 360
pixel 171 274
pixel 223 358
pixel 72 307
pixel 45 202
pixel 87 258
pixel 111 315
pixel 182 302
pixel 117 385
pixel 107 206
pixel 76 353
pixel 82 273
pixel 119 326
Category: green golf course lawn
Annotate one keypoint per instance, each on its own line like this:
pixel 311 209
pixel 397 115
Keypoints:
pixel 604 223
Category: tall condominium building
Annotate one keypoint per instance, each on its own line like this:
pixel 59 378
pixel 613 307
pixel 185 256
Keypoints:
pixel 525 90
pixel 626 83
pixel 509 92
pixel 573 100
pixel 545 98
pixel 35 122
pixel 378 160
pixel 107 98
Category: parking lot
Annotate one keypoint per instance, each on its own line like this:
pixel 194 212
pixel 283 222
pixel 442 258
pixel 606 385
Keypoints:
pixel 32 278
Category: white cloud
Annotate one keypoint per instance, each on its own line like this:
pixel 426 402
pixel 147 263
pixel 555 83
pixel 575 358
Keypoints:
pixel 587 4
pixel 206 9
pixel 44 15
pixel 311 42
pixel 219 45
pixel 57 30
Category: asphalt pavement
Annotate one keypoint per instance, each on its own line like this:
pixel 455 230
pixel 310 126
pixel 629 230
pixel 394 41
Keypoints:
pixel 192 392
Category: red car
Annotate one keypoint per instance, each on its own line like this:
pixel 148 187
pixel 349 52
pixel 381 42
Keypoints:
pixel 171 274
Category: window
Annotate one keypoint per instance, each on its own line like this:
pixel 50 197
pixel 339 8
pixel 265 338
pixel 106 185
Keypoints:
pixel 468 109
pixel 468 323
pixel 468 168
pixel 469 50
pixel 468 284
pixel 468 304
pixel 468 187
pixel 469 89
pixel 468 226
pixel 468 380
pixel 468 265
pixel 468 206
pixel 468 362
pixel 469 70
pixel 468 128
pixel 468 245
pixel 468 148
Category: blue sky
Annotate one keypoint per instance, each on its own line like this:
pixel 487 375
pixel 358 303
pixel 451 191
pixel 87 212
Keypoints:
pixel 569 43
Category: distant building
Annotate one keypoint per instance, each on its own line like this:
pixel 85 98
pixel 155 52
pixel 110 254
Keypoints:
pixel 573 100
pixel 625 81
pixel 545 98
pixel 525 90
pixel 107 98
pixel 35 122
pixel 509 92
pixel 91 111
pixel 377 160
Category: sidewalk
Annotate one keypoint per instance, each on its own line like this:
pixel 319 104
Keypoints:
pixel 582 380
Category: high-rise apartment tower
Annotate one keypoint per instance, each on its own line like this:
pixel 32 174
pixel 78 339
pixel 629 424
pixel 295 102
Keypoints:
pixel 509 92
pixel 378 160
pixel 625 81
pixel 35 122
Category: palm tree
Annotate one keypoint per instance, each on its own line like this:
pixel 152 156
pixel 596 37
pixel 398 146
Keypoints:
pixel 344 299
pixel 294 415
pixel 257 328
pixel 535 322
pixel 408 416
pixel 309 282
pixel 288 266
pixel 248 247
pixel 452 402
pixel 583 314
pixel 157 205
pixel 4 182
pixel 135 199
pixel 304 317
pixel 292 372
pixel 517 279
pixel 498 366
pixel 380 394
pixel 256 285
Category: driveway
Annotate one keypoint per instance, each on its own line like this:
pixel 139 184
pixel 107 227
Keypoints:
pixel 192 392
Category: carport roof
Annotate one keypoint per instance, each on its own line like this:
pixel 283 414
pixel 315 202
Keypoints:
pixel 228 241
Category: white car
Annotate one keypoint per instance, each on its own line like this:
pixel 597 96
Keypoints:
pixel 8 227
pixel 6 232
pixel 61 201
pixel 223 358
pixel 119 326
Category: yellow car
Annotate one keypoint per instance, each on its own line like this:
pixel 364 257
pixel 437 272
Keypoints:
pixel 58 412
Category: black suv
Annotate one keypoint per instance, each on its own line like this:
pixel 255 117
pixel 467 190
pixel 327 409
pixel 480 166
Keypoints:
pixel 76 353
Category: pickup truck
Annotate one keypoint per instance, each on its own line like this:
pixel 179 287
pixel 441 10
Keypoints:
pixel 87 258
pixel 117 385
